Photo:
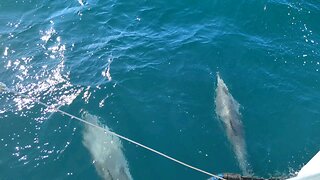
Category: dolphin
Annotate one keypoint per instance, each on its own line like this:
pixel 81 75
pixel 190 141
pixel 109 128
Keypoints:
pixel 227 109
pixel 106 151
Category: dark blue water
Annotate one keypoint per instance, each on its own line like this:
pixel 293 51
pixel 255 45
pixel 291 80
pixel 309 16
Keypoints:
pixel 148 70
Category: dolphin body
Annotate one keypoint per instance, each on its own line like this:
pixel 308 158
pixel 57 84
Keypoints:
pixel 106 151
pixel 227 109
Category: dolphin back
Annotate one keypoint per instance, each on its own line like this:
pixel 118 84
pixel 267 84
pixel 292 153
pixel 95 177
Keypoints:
pixel 227 110
pixel 106 150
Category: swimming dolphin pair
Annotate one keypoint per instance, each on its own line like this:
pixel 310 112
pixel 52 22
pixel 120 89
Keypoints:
pixel 110 162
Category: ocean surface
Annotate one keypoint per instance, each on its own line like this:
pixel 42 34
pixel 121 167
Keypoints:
pixel 147 70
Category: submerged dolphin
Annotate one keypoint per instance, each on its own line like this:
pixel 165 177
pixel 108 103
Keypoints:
pixel 106 151
pixel 227 109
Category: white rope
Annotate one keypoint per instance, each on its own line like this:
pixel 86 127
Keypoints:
pixel 4 88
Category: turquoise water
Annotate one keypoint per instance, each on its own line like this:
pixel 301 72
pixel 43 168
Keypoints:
pixel 148 70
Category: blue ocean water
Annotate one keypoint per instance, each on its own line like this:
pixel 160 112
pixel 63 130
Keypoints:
pixel 148 70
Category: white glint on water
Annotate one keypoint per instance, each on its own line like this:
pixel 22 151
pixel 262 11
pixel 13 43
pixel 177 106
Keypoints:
pixel 3 87
pixel 106 73
pixel 5 53
pixel 46 35
pixel 50 78
pixel 81 2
